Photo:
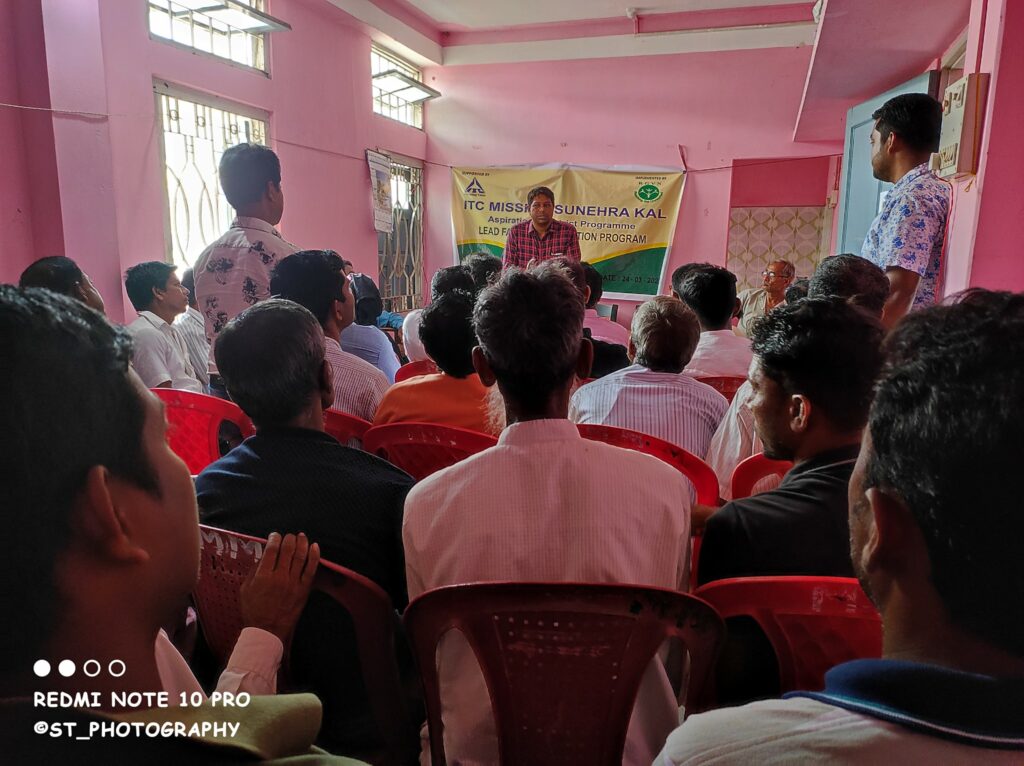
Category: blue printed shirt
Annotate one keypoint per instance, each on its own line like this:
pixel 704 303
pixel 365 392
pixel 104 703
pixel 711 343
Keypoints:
pixel 909 230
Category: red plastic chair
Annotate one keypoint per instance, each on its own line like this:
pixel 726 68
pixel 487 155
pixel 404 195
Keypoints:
pixel 692 467
pixel 421 449
pixel 194 421
pixel 412 369
pixel 813 623
pixel 562 662
pixel 750 471
pixel 348 429
pixel 227 559
pixel 727 386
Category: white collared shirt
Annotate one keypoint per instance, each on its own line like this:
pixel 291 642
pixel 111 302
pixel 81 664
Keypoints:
pixel 547 505
pixel 720 353
pixel 670 406
pixel 735 441
pixel 233 273
pixel 192 328
pixel 605 329
pixel 159 355
pixel 358 385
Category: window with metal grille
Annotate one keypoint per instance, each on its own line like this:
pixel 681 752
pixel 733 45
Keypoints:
pixel 195 136
pixel 178 22
pixel 388 104
pixel 400 252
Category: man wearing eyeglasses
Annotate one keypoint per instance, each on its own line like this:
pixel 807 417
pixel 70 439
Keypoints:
pixel 758 301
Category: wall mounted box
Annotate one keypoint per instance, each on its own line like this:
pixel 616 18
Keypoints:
pixel 963 113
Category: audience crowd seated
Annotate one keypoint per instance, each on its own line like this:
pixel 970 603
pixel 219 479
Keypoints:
pixel 942 439
pixel 600 327
pixel 454 396
pixel 292 476
pixel 192 328
pixel 159 357
pixel 316 281
pixel 62 275
pixel 363 338
pixel 544 504
pixel 653 395
pixel 113 557
pixel 710 291
pixel 608 357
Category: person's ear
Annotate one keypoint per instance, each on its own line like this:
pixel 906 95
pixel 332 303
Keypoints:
pixel 736 308
pixel 800 411
pixel 630 349
pixel 483 367
pixel 585 360
pixel 890 540
pixel 890 143
pixel 326 385
pixel 103 520
pixel 586 295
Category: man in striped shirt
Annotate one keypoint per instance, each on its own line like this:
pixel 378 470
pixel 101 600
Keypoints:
pixel 191 326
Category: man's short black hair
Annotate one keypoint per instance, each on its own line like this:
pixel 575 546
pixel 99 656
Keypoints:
pixel 946 438
pixel 142 279
pixel 446 330
pixel 537 191
pixel 451 278
pixel 483 267
pixel 245 170
pixel 595 282
pixel 530 327
pixel 854 278
pixel 50 442
pixel 826 349
pixel 55 272
pixel 312 278
pixel 915 117
pixel 270 357
pixel 369 304
pixel 682 272
pixel 711 292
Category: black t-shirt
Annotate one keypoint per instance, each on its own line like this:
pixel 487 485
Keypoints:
pixel 799 528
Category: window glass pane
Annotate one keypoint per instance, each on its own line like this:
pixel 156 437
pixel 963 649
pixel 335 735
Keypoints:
pixel 172 21
pixel 388 104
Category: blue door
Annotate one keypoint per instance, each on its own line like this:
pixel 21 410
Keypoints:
pixel 860 193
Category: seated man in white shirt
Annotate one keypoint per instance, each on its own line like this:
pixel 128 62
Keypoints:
pixel 653 395
pixel 935 540
pixel 114 554
pixel 160 357
pixel 600 327
pixel 846 276
pixel 315 279
pixel 544 504
pixel 711 293
pixel 192 328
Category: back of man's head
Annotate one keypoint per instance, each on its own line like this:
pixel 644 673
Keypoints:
pixel 711 292
pixel 50 442
pixel 451 278
pixel 530 328
pixel 142 279
pixel 664 334
pixel 946 440
pixel 851 277
pixel 312 278
pixel 483 268
pixel 916 118
pixel 271 358
pixel 596 284
pixel 369 303
pixel 446 329
pixel 683 272
pixel 55 272
pixel 824 349
pixel 245 170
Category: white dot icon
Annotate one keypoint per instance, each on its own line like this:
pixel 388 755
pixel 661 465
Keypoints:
pixel 41 668
pixel 66 668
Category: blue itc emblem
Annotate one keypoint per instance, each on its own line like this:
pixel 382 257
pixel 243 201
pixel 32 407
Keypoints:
pixel 475 188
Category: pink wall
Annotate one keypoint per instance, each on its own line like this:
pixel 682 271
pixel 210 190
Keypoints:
pixel 321 122
pixel 620 111
pixel 773 182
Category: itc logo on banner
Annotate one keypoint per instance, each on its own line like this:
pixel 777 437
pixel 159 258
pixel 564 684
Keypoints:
pixel 475 188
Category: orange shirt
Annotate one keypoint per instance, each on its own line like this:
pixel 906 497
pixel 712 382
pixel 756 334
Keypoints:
pixel 438 398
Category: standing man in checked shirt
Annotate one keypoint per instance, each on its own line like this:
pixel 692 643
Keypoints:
pixel 542 237
pixel 906 238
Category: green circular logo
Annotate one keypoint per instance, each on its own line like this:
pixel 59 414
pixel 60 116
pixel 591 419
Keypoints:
pixel 648 192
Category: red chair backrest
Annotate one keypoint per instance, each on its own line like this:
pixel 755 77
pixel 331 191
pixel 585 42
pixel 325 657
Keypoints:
pixel 420 449
pixel 813 623
pixel 348 429
pixel 562 662
pixel 692 467
pixel 727 386
pixel 412 369
pixel 750 471
pixel 194 421
pixel 227 559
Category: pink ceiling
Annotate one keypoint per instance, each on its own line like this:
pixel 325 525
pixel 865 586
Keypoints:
pixel 866 47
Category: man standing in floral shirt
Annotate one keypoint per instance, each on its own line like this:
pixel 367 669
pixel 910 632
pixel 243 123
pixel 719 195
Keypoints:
pixel 906 238
pixel 233 273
